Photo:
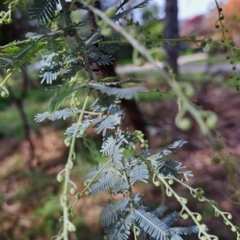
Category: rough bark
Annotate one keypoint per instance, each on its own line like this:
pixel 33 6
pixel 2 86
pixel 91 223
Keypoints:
pixel 171 31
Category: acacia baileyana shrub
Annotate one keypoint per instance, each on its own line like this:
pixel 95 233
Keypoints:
pixel 78 61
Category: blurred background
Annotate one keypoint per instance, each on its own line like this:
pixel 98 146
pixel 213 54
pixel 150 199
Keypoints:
pixel 31 154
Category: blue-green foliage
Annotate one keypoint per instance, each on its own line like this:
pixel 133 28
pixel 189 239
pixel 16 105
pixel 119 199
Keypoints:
pixel 110 212
pixel 121 229
pixel 139 173
pixel 65 113
pixel 104 183
pixel 62 93
pixel 120 217
pixel 151 224
pixel 122 93
pixel 108 48
pixel 119 174
pixel 63 58
pixel 70 131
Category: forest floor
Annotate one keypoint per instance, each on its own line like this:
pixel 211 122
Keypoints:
pixel 29 197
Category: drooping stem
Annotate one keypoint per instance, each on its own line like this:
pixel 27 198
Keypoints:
pixel 6 79
pixel 202 228
pixel 68 166
pixel 79 195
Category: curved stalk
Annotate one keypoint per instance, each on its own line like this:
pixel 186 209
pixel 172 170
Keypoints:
pixel 68 165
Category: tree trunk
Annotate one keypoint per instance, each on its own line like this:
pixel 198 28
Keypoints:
pixel 171 31
pixel 130 106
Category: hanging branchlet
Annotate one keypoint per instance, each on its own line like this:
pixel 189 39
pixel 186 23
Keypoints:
pixel 219 22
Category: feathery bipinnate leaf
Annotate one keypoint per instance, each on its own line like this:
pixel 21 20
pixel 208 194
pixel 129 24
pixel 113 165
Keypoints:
pixel 64 114
pixel 171 147
pixel 99 60
pixel 55 49
pixel 173 168
pixel 171 218
pixel 111 148
pixel 43 10
pixel 50 73
pixel 112 115
pixel 108 104
pixel 113 216
pixel 106 179
pixel 105 122
pixel 103 184
pixel 72 63
pixel 19 55
pixel 110 212
pixel 72 70
pixel 139 173
pixel 5 62
pixel 158 212
pixel 138 199
pixel 169 167
pixel 108 48
pixel 121 229
pixel 177 144
pixel 174 232
pixel 54 59
pixel 97 170
pixel 63 93
pixel 183 230
pixel 150 224
pixel 120 185
pixel 121 93
pixel 71 130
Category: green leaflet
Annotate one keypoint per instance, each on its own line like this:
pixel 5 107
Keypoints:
pixel 122 93
pixel 43 10
pixel 16 56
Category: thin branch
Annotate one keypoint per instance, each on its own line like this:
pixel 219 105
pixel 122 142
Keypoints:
pixel 175 87
pixel 71 156
pixel 65 8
